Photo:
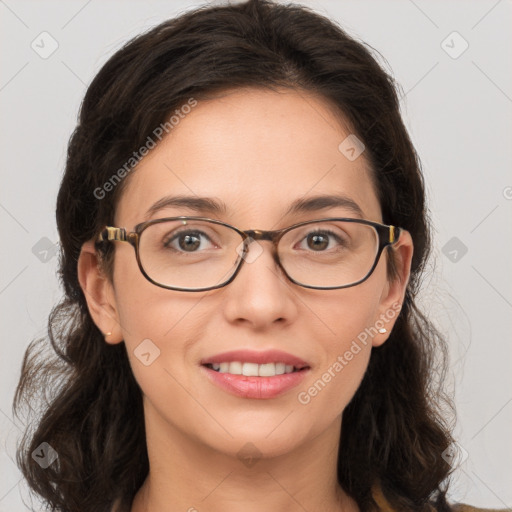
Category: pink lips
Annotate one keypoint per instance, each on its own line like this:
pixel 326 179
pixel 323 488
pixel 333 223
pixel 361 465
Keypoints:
pixel 251 356
pixel 256 387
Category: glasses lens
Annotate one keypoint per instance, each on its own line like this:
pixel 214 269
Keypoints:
pixel 195 254
pixel 189 254
pixel 329 253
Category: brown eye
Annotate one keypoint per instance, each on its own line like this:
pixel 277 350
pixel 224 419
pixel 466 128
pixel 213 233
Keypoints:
pixel 317 241
pixel 322 240
pixel 188 241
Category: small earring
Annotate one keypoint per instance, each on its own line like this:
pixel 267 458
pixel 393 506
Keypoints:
pixel 107 334
pixel 383 330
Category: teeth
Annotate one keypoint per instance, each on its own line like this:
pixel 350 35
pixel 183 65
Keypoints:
pixel 235 368
pixel 282 368
pixel 253 369
pixel 250 369
pixel 268 370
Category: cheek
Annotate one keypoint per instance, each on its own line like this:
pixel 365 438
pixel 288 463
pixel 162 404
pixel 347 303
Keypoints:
pixel 350 316
pixel 331 388
pixel 346 314
pixel 155 323
pixel 144 309
pixel 157 330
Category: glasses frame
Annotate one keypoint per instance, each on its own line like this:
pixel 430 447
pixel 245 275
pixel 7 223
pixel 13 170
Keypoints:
pixel 388 235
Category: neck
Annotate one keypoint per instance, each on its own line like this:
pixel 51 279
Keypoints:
pixel 187 475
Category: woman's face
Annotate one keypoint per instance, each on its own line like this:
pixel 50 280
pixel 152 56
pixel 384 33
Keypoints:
pixel 257 152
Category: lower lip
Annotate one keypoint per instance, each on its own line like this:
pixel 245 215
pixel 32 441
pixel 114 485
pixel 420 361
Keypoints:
pixel 256 387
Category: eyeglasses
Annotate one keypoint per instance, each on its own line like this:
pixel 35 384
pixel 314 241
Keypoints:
pixel 198 254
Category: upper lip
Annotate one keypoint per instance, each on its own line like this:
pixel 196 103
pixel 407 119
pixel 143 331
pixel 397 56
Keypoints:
pixel 262 357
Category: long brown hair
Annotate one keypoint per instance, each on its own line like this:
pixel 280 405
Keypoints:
pixel 79 392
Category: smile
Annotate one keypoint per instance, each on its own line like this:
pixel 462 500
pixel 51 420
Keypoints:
pixel 253 369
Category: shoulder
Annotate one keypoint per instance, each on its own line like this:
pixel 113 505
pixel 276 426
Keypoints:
pixel 462 507
pixel 385 506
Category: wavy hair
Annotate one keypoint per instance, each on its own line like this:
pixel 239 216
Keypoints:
pixel 79 393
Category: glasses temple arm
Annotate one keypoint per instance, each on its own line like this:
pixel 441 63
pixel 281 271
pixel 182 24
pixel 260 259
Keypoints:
pixel 394 234
pixel 111 233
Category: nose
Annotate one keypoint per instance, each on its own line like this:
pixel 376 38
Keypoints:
pixel 260 295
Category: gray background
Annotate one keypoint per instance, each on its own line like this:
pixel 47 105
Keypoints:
pixel 458 111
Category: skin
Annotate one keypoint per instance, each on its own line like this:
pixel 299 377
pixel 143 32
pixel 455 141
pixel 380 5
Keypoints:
pixel 256 150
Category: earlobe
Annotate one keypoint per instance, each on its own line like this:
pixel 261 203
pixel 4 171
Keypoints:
pixel 98 294
pixel 394 292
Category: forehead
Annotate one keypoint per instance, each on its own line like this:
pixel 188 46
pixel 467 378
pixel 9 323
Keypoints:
pixel 255 150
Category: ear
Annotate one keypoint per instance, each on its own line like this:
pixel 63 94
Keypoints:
pixel 99 293
pixel 393 293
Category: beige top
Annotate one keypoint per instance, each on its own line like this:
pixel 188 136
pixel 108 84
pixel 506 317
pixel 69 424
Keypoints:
pixel 386 507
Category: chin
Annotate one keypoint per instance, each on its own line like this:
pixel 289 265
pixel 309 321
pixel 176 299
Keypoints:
pixel 268 438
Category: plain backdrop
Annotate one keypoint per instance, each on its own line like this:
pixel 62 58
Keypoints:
pixel 453 61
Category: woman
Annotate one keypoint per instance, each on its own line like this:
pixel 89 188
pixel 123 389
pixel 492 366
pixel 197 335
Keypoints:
pixel 259 346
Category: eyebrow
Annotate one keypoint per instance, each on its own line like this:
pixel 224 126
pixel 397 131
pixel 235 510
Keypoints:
pixel 193 203
pixel 322 202
pixel 210 205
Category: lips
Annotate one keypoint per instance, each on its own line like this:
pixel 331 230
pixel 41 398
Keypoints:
pixel 255 384
pixel 250 356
